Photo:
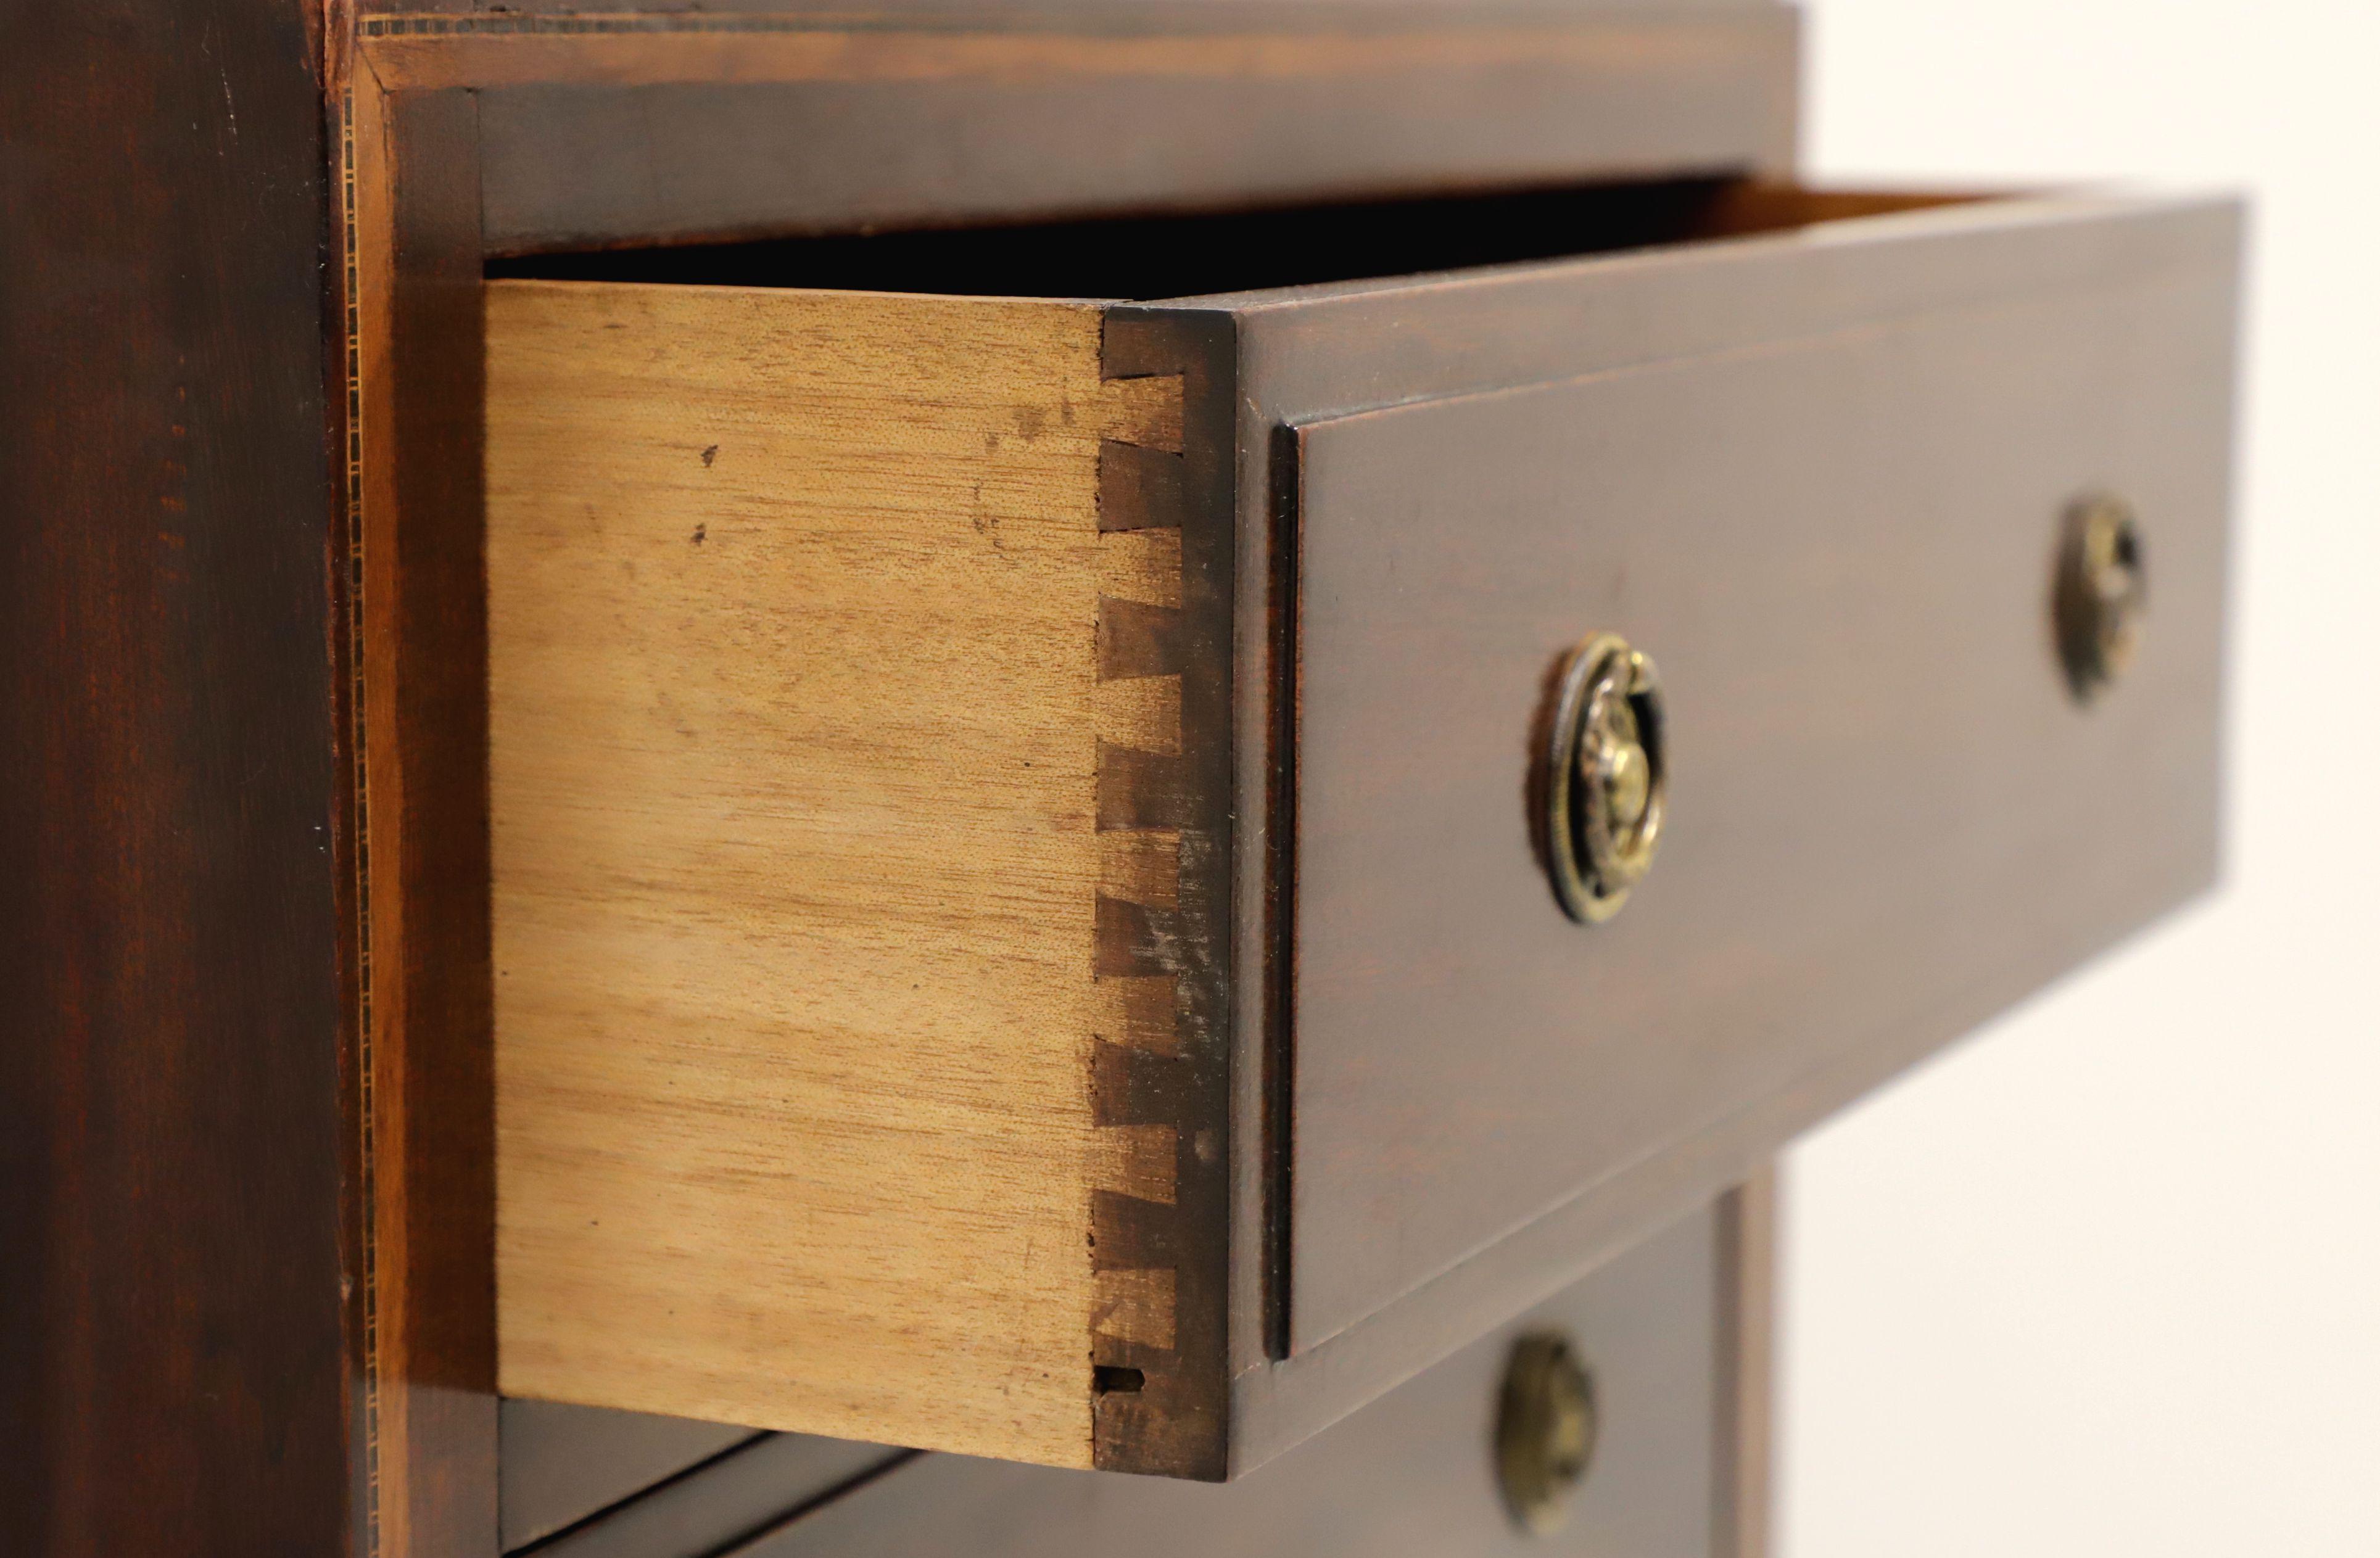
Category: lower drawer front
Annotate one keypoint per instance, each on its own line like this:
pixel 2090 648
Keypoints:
pixel 1414 1475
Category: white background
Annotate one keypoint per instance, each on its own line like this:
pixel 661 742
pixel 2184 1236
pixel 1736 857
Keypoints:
pixel 2106 1279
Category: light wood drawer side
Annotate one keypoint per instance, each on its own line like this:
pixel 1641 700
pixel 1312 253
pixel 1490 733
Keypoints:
pixel 805 645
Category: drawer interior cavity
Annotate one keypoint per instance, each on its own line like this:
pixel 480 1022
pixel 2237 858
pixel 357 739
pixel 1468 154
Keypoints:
pixel 1166 256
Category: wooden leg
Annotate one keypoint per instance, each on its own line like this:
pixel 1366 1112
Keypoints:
pixel 1747 1374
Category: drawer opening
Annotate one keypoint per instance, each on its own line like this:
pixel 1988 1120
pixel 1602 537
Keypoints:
pixel 1185 256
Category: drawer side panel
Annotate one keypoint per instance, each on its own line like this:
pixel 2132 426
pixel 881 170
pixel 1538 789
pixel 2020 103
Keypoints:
pixel 800 746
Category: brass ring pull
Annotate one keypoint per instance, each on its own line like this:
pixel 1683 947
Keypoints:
pixel 1608 776
pixel 2102 593
pixel 1545 1431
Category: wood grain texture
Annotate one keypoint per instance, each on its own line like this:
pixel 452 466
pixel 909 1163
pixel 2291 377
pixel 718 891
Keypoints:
pixel 1952 375
pixel 1664 1328
pixel 1246 106
pixel 797 743
pixel 174 1220
pixel 1411 1475
pixel 1855 593
pixel 417 656
pixel 224 102
pixel 1407 1238
pixel 706 125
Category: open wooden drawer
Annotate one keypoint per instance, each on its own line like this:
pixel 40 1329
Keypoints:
pixel 1023 910
pixel 1673 1339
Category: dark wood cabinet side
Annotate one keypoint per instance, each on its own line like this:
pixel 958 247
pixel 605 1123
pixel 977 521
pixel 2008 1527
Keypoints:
pixel 174 1185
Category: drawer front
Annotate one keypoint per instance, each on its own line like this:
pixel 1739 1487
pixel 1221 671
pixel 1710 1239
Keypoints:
pixel 1413 1474
pixel 1886 812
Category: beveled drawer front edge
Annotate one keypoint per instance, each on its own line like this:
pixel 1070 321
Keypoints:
pixel 1334 350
